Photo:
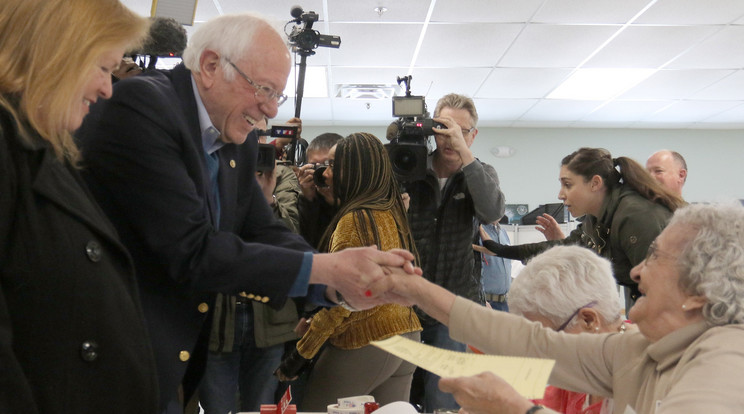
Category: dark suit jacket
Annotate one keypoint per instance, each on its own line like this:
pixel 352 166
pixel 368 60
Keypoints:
pixel 144 162
pixel 72 331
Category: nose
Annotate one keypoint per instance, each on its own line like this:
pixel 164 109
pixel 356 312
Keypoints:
pixel 269 108
pixel 635 272
pixel 561 196
pixel 106 89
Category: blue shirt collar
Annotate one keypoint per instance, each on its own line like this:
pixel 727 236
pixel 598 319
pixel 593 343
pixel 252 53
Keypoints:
pixel 209 134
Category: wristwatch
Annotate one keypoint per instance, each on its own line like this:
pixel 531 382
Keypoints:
pixel 342 302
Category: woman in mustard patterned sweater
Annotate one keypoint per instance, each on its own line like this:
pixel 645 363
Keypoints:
pixel 371 213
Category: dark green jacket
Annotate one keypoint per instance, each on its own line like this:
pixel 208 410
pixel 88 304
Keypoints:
pixel 626 226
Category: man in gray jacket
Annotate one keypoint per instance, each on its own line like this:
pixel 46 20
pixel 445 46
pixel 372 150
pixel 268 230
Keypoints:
pixel 457 187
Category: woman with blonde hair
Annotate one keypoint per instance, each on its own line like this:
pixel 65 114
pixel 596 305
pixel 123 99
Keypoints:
pixel 72 334
pixel 371 213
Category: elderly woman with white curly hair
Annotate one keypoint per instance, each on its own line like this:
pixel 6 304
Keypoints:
pixel 687 355
pixel 570 289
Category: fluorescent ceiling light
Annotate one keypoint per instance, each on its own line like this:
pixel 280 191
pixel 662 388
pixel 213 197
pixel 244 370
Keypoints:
pixel 316 82
pixel 599 84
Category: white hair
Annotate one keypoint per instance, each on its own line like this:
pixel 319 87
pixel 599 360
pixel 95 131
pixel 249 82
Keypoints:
pixel 230 35
pixel 712 263
pixel 558 282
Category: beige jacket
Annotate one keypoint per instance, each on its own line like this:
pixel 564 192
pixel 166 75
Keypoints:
pixel 696 369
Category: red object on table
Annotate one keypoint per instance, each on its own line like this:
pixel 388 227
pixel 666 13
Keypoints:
pixel 284 407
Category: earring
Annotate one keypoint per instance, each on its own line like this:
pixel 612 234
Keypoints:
pixel 684 307
pixel 596 328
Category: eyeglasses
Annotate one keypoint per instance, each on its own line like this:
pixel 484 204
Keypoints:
pixel 573 315
pixel 654 252
pixel 262 92
pixel 467 131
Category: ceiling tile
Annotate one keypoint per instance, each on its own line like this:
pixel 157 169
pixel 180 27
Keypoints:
pixel 729 88
pixel 444 45
pixel 589 11
pixel 521 83
pixel 691 111
pixel 675 84
pixel 559 110
pixel 375 44
pixel 723 50
pixel 648 46
pixel 554 46
pixel 693 12
pixel 364 11
pixel 624 111
pixel 501 11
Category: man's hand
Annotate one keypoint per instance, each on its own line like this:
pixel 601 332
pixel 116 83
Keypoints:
pixel 453 139
pixel 353 272
pixel 307 186
pixel 485 393
pixel 547 225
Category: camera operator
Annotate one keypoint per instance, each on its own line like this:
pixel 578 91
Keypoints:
pixel 457 187
pixel 316 204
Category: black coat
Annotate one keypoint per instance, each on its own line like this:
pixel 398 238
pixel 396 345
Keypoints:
pixel 72 334
pixel 145 164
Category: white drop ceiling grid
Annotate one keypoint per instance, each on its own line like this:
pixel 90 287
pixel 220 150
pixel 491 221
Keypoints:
pixel 510 54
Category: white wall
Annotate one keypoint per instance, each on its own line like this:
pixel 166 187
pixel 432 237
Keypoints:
pixel 715 158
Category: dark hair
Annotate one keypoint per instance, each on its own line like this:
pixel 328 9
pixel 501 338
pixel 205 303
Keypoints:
pixel 324 141
pixel 363 180
pixel 588 162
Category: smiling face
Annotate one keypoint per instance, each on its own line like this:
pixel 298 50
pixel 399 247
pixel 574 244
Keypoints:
pixel 580 196
pixel 233 106
pixel 97 85
pixel 659 310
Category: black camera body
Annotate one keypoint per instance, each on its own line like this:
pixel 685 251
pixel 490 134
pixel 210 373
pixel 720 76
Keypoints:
pixel 408 149
pixel 304 38
pixel 267 152
pixel 318 178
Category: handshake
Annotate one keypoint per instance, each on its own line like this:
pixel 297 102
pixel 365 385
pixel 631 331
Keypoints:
pixel 363 277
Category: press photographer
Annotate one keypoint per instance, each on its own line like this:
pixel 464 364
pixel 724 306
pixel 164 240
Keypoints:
pixel 455 188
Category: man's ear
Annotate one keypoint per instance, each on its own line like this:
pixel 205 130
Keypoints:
pixel 209 67
pixel 683 174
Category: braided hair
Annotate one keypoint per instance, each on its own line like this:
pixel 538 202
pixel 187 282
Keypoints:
pixel 363 181
pixel 588 162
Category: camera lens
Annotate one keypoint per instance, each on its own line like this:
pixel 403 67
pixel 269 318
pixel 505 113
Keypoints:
pixel 318 178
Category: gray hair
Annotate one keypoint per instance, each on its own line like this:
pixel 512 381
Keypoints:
pixel 712 263
pixel 324 142
pixel 457 101
pixel 563 279
pixel 231 35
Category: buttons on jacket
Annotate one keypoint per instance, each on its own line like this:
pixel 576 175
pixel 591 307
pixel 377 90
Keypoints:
pixel 257 298
pixel 184 356
pixel 203 308
pixel 94 251
pixel 232 164
pixel 89 351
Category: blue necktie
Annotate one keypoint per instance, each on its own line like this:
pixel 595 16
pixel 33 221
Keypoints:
pixel 213 164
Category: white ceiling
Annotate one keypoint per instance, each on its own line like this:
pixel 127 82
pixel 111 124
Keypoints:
pixel 510 54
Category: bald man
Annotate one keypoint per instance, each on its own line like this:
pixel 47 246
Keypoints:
pixel 669 168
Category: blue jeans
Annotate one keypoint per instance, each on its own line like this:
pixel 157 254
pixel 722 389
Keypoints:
pixel 438 336
pixel 248 370
pixel 501 306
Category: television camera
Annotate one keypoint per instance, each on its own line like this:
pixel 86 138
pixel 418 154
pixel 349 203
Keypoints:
pixel 408 135
pixel 267 152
